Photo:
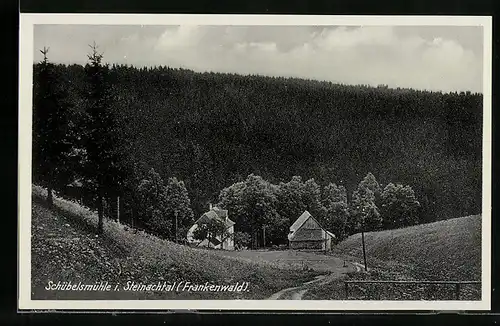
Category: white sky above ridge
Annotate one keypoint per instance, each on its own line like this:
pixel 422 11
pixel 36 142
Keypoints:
pixel 445 58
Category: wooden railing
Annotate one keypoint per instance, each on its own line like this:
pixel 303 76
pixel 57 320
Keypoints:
pixel 456 283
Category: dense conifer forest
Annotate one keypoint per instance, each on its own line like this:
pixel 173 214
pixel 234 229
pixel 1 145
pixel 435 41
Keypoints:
pixel 212 130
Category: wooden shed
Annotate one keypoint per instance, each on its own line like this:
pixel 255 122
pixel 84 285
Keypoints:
pixel 307 233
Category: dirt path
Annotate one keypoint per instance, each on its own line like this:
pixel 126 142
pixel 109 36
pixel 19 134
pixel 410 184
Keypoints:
pixel 297 293
pixel 358 266
pixel 330 267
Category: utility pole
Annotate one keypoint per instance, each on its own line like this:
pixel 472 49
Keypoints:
pixel 364 252
pixel 118 209
pixel 264 235
pixel 363 236
pixel 176 239
pixel 363 239
pixel 325 240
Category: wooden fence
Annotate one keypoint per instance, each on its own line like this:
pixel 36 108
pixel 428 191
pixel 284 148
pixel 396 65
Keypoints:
pixel 456 283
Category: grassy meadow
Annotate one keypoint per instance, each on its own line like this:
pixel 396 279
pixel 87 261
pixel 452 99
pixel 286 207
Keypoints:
pixel 65 248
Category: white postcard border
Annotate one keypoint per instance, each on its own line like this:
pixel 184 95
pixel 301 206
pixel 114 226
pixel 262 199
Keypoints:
pixel 27 22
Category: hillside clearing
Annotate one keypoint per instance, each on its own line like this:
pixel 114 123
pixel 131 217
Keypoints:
pixel 66 248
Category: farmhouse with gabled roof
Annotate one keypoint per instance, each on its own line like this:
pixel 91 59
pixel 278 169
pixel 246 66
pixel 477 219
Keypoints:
pixel 217 242
pixel 307 233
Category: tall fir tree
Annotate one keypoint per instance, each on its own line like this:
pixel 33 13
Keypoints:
pixel 104 170
pixel 51 129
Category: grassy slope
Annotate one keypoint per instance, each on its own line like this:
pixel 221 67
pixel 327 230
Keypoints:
pixel 65 248
pixel 445 250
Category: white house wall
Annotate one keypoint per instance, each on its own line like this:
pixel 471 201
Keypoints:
pixel 228 243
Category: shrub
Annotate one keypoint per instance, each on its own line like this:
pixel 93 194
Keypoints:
pixel 241 239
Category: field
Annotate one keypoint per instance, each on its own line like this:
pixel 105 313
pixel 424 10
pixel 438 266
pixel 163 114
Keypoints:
pixel 66 248
pixel 294 259
pixel 442 251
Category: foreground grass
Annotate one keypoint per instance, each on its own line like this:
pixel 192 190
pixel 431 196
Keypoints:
pixel 66 248
pixel 442 251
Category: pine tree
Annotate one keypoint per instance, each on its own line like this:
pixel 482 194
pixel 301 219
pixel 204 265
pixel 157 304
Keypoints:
pixel 51 138
pixel 104 171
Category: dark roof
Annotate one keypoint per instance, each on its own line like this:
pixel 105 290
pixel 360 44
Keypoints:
pixel 301 220
pixel 210 214
pixel 308 235
pixel 76 183
pixel 218 213
pixel 215 241
pixel 331 234
pixel 297 233
pixel 221 212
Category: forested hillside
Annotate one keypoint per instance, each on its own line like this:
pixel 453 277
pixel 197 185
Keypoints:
pixel 212 130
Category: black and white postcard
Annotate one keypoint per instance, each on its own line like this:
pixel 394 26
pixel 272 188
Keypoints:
pixel 254 162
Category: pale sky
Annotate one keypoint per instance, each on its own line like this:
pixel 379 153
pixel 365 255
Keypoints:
pixel 445 58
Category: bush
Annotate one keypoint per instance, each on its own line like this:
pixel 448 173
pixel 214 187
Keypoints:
pixel 241 239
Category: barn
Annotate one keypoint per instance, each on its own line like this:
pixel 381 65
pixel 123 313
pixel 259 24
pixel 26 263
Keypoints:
pixel 217 243
pixel 307 233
